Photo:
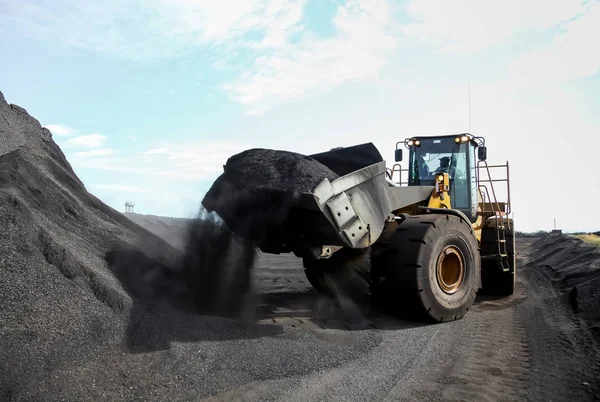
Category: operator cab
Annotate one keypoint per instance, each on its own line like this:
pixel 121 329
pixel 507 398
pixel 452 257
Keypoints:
pixel 452 154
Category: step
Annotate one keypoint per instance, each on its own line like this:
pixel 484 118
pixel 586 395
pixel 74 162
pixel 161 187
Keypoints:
pixel 494 256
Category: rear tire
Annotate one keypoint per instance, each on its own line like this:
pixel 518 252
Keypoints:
pixel 496 282
pixel 430 268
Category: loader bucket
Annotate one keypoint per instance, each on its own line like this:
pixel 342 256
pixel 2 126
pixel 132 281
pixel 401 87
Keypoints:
pixel 356 205
pixel 340 198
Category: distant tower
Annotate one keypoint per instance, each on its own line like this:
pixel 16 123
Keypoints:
pixel 129 206
pixel 555 230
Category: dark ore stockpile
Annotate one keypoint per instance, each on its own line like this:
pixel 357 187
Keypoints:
pixel 573 266
pixel 94 307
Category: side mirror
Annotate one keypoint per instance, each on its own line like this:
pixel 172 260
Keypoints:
pixel 398 155
pixel 482 153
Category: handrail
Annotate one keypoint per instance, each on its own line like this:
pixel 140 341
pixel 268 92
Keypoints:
pixel 493 198
pixel 397 168
pixel 487 191
pixel 479 163
pixel 509 207
pixel 483 197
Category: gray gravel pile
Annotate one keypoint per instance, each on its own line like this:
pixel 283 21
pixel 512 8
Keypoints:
pixel 574 268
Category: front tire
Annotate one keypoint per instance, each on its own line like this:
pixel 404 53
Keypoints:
pixel 430 268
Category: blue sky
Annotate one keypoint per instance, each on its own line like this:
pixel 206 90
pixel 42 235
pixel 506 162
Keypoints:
pixel 148 99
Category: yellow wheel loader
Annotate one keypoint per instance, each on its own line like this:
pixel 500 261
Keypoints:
pixel 422 239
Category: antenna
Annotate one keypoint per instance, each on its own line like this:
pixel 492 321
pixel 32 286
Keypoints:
pixel 469 91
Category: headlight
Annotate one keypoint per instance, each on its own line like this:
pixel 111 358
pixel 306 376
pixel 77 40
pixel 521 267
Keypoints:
pixel 410 143
pixel 417 142
pixel 457 140
pixel 464 138
pixel 440 178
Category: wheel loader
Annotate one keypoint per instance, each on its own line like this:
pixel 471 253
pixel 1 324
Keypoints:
pixel 423 239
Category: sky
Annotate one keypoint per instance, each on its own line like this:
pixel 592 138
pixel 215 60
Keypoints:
pixel 148 99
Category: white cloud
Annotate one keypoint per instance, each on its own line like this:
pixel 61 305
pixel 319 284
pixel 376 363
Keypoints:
pixel 153 29
pixel 97 153
pixel 88 141
pixel 568 57
pixel 253 37
pixel 156 151
pixel 60 129
pixel 469 25
pixel 315 65
pixel 195 162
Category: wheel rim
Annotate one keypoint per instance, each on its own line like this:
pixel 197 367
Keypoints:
pixel 450 269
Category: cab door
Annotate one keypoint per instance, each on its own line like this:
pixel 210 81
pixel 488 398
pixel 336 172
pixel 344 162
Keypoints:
pixel 463 183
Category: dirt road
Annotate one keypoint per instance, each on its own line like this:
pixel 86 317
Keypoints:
pixel 526 347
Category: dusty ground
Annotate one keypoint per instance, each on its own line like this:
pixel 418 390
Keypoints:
pixel 531 346
pixel 526 347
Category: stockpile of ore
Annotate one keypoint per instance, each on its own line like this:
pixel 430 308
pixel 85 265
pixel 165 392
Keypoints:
pixel 574 268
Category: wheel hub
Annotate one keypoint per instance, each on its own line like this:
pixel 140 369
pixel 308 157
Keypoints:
pixel 450 269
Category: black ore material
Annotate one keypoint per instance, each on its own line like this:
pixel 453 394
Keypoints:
pixel 216 267
pixel 256 191
pixel 349 159
pixel 212 277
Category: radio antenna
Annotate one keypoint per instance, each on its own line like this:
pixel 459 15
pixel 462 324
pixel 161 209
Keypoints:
pixel 469 91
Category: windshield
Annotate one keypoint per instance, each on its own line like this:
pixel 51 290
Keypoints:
pixel 436 156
